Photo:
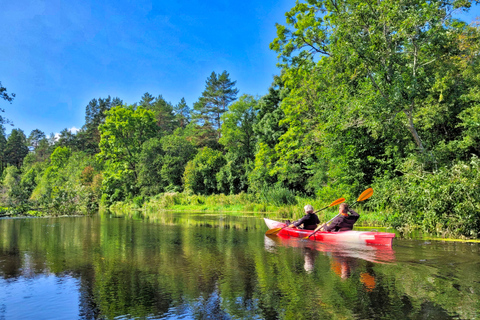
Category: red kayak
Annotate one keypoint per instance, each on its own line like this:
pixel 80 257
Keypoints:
pixel 360 237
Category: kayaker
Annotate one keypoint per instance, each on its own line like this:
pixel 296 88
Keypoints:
pixel 344 221
pixel 310 219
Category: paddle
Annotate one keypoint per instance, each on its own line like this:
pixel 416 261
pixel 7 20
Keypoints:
pixel 364 196
pixel 334 203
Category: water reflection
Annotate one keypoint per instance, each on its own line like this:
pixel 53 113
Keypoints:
pixel 211 267
pixel 343 257
pixel 376 254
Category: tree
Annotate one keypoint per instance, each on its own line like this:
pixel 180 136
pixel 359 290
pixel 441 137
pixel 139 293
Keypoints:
pixel 374 89
pixel 238 139
pixel 34 138
pixel 219 92
pixel 16 148
pixel 11 184
pixel 68 139
pixel 3 145
pixel 237 127
pixel 268 129
pixel 4 95
pixel 178 151
pixel 150 164
pixel 182 113
pixel 200 173
pixel 123 134
pixel 95 113
pixel 147 100
pixel 59 157
pixel 164 115
pixel 384 53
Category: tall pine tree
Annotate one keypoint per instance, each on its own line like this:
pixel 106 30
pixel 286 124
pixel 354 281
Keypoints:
pixel 16 148
pixel 182 113
pixel 219 92
pixel 95 114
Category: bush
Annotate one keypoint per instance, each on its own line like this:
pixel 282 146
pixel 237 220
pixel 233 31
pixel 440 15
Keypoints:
pixel 447 201
pixel 278 196
pixel 200 173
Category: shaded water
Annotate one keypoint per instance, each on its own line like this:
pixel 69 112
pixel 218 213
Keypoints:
pixel 218 267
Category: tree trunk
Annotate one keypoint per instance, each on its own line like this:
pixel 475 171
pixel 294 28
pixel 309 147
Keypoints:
pixel 413 131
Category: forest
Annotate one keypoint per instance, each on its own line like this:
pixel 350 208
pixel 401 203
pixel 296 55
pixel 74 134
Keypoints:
pixel 369 94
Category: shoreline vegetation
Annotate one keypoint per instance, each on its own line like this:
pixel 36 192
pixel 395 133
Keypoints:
pixel 391 103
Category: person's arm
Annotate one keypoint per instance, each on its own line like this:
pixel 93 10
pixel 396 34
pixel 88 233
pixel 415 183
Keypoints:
pixel 299 222
pixel 334 224
pixel 353 213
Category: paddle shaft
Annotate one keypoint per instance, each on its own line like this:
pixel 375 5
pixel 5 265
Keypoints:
pixel 321 209
pixel 277 230
pixel 334 203
pixel 364 196
pixel 339 213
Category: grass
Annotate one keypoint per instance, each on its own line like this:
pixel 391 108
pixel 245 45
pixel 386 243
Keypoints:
pixel 240 204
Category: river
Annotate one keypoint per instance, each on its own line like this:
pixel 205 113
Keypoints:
pixel 188 266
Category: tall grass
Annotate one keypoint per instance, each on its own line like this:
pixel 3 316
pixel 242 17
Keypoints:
pixel 276 203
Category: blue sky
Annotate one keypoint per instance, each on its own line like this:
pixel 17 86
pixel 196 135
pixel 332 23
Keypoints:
pixel 57 55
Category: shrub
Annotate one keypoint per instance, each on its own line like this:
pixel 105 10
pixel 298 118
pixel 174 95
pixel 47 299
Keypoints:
pixel 278 196
pixel 445 201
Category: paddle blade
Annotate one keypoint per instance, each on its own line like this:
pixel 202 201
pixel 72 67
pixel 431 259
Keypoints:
pixel 338 201
pixel 365 195
pixel 273 231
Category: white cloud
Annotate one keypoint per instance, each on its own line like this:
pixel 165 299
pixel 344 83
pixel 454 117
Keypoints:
pixel 73 130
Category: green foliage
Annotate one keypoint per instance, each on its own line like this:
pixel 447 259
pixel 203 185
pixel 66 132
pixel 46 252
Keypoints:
pixel 371 87
pixel 237 127
pixel 35 137
pixel 382 94
pixel 446 201
pixel 268 130
pixel 11 187
pixel 177 152
pixel 69 185
pixel 278 196
pixel 201 172
pixel 4 95
pixel 60 156
pixel 16 148
pixel 164 115
pixel 149 167
pixel 162 163
pixel 219 92
pixel 123 134
pixel 238 139
pixel 233 176
pixel 95 114
pixel 182 113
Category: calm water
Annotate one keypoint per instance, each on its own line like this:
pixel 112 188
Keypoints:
pixel 213 267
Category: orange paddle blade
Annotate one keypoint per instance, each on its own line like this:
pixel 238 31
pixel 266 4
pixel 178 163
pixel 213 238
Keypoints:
pixel 365 194
pixel 273 231
pixel 338 201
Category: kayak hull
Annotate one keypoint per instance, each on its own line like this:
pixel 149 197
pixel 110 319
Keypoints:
pixel 361 237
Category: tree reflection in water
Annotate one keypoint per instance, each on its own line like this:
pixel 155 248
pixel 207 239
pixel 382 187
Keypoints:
pixel 201 267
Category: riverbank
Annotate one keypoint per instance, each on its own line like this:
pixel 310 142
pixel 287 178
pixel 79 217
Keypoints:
pixel 240 204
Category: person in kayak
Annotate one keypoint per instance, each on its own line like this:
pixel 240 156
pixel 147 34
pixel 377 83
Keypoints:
pixel 344 221
pixel 310 219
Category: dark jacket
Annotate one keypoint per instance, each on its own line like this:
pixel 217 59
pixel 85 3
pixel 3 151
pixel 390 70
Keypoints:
pixel 343 223
pixel 310 221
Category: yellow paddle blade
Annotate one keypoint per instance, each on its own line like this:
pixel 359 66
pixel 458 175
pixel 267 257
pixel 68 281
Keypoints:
pixel 273 231
pixel 338 201
pixel 365 194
